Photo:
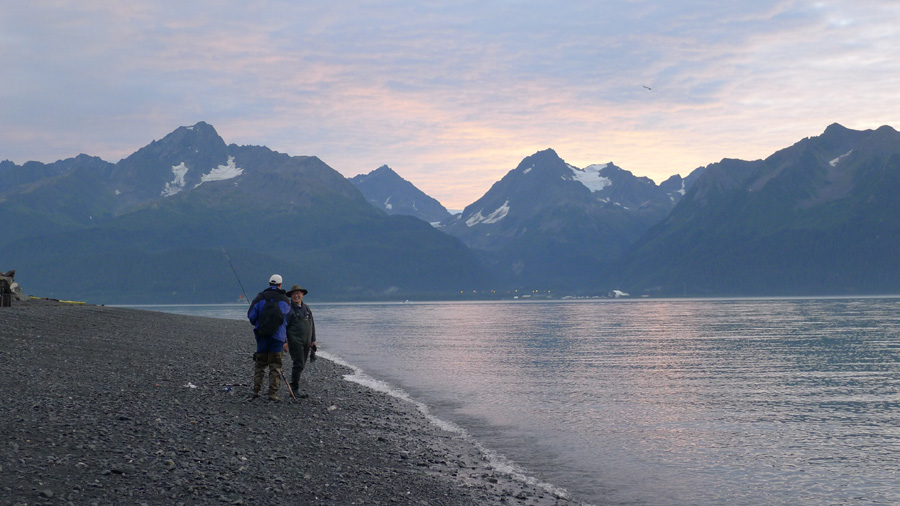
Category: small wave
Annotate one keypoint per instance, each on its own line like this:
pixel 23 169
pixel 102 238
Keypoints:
pixel 495 460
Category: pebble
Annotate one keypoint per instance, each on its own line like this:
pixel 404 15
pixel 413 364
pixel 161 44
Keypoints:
pixel 112 421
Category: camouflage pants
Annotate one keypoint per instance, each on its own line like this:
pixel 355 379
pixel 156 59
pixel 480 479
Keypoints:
pixel 272 362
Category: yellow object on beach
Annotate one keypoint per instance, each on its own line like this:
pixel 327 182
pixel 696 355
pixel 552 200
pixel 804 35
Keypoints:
pixel 57 300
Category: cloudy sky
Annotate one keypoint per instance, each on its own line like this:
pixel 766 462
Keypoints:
pixel 451 95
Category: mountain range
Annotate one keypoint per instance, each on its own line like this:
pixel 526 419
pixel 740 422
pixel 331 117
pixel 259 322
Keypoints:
pixel 156 227
pixel 189 218
pixel 819 217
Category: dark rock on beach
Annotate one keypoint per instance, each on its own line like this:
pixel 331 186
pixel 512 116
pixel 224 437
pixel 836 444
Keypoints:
pixel 105 405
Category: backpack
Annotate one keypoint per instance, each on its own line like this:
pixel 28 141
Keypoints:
pixel 270 318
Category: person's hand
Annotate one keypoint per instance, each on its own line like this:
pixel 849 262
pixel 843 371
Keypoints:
pixel 285 346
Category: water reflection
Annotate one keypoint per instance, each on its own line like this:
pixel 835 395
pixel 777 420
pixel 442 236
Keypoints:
pixel 745 402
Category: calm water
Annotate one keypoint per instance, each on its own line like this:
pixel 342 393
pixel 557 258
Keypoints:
pixel 652 402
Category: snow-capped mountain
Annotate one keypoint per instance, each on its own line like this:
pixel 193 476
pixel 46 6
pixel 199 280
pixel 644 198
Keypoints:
pixel 387 191
pixel 549 222
pixel 181 161
pixel 151 228
pixel 819 217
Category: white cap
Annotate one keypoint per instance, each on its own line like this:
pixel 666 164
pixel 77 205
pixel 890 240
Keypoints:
pixel 275 279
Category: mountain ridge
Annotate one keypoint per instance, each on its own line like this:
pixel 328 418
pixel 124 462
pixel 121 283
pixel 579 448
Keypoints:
pixel 813 218
pixel 159 212
pixel 817 217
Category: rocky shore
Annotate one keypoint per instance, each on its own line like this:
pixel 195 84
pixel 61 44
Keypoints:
pixel 104 405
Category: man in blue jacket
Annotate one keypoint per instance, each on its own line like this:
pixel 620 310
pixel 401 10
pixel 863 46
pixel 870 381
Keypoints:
pixel 270 344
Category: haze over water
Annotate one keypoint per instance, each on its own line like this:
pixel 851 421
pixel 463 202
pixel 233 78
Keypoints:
pixel 654 402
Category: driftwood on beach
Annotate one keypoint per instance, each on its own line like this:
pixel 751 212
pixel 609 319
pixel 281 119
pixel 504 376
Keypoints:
pixel 119 406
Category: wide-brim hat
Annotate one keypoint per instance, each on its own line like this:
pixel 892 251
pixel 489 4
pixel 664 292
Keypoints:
pixel 297 288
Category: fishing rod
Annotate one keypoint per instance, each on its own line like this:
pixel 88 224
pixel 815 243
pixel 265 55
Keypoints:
pixel 235 274
pixel 288 385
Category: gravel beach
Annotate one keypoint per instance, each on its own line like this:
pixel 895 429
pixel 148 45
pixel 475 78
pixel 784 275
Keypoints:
pixel 105 405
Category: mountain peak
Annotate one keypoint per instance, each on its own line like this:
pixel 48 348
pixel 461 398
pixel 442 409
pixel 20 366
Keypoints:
pixel 383 171
pixel 200 131
pixel 388 191
pixel 181 159
pixel 835 128
pixel 542 156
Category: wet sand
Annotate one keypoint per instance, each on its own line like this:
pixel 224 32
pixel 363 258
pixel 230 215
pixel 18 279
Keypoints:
pixel 104 405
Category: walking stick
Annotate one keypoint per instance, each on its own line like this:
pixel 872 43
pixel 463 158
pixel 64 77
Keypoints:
pixel 288 385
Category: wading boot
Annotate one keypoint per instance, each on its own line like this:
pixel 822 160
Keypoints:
pixel 254 394
pixel 295 380
pixel 274 382
pixel 259 373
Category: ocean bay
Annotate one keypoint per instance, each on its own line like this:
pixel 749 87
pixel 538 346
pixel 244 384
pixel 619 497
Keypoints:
pixel 656 402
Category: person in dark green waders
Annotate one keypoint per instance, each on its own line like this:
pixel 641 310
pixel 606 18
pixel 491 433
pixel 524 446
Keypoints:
pixel 301 333
pixel 267 314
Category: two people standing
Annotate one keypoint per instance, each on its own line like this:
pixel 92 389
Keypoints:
pixel 281 322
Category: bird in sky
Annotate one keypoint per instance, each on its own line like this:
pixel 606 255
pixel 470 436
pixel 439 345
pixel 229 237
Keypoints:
pixel 649 88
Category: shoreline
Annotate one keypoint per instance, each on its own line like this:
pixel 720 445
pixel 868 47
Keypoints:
pixel 108 405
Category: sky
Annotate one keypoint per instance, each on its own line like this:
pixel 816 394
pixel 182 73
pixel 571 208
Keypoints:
pixel 451 95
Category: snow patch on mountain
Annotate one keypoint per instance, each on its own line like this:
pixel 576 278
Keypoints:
pixel 387 204
pixel 681 190
pixel 222 172
pixel 837 160
pixel 494 217
pixel 177 184
pixel 590 177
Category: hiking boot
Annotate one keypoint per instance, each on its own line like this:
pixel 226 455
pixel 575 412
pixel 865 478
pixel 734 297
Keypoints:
pixel 274 398
pixel 295 387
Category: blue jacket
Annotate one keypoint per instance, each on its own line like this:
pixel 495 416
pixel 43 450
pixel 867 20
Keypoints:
pixel 275 343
